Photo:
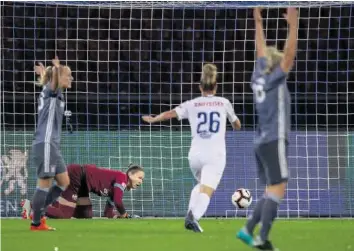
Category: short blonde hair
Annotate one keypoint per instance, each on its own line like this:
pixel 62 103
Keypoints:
pixel 46 77
pixel 209 75
pixel 274 58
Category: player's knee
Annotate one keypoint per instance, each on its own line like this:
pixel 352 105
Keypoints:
pixel 63 179
pixel 61 212
pixel 207 190
pixel 277 189
pixel 44 182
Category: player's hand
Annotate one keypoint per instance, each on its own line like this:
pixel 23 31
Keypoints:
pixel 257 15
pixel 148 119
pixel 291 16
pixel 39 69
pixel 56 61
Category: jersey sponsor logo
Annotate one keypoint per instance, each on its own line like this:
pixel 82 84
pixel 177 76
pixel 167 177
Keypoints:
pixel 104 192
pixel 74 197
pixel 14 171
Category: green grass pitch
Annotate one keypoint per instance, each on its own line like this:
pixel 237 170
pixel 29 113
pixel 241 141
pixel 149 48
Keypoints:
pixel 169 235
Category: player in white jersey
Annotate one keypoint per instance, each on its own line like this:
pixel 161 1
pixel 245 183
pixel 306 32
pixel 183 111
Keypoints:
pixel 207 155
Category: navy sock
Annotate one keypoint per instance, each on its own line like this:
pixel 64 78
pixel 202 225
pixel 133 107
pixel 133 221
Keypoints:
pixel 269 213
pixel 256 216
pixel 38 202
pixel 53 194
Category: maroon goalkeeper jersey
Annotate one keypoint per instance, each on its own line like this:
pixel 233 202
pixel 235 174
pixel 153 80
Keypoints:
pixel 107 183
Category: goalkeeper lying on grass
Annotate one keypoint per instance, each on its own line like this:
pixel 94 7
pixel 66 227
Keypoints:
pixel 75 201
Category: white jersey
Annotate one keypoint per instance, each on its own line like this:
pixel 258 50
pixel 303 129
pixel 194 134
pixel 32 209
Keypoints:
pixel 207 118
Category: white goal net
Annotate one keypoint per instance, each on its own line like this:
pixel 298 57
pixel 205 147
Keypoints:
pixel 135 58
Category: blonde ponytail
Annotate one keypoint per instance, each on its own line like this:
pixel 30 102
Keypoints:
pixel 209 75
pixel 45 77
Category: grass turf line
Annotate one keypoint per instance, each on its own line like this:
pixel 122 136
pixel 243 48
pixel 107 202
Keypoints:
pixel 169 235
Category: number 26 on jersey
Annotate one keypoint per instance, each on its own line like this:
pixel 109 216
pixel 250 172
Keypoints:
pixel 209 122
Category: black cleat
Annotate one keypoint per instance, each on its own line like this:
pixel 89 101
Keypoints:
pixel 191 224
pixel 267 245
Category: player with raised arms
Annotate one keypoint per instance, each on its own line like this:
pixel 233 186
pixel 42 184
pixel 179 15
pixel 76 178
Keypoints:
pixel 46 144
pixel 273 105
pixel 207 155
pixel 85 179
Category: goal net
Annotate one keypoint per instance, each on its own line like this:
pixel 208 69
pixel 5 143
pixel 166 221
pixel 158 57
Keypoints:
pixel 135 58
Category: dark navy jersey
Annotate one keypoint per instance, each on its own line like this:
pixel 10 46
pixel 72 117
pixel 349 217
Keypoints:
pixel 50 117
pixel 273 102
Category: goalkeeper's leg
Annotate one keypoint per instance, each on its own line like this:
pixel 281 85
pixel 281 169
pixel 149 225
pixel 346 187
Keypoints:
pixel 60 211
pixel 83 208
pixel 65 206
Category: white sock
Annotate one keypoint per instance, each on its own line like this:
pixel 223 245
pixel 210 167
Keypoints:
pixel 194 196
pixel 201 205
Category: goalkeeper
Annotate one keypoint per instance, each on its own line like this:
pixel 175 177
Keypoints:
pixel 75 202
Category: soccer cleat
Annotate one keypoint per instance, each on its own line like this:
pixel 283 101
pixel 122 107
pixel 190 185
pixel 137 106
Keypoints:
pixel 266 245
pixel 42 226
pixel 191 224
pixel 26 208
pixel 245 237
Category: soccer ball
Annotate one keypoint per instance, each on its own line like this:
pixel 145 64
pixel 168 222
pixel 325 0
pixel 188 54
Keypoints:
pixel 241 198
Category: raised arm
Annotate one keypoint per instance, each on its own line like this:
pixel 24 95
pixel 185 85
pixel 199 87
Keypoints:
pixel 291 44
pixel 49 74
pixel 56 74
pixel 260 40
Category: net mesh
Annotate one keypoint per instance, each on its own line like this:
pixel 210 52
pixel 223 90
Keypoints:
pixel 133 58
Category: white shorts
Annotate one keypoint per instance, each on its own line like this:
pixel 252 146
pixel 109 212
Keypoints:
pixel 207 168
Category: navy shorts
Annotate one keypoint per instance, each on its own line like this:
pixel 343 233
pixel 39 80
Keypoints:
pixel 272 162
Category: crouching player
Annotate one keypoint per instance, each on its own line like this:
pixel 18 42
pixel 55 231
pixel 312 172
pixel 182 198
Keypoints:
pixel 75 202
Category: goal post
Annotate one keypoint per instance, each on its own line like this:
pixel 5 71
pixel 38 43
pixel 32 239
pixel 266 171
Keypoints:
pixel 134 58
